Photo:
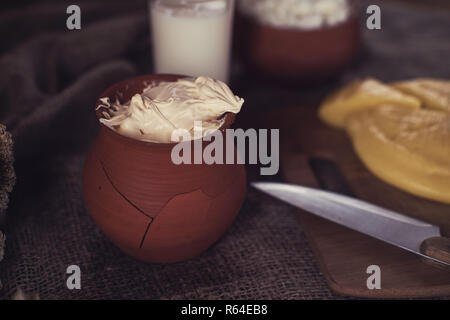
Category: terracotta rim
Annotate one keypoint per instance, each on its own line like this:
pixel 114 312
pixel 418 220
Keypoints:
pixel 111 91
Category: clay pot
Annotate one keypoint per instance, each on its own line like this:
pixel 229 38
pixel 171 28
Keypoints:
pixel 297 55
pixel 149 207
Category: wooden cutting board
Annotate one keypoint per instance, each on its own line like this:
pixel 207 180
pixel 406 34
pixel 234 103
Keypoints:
pixel 311 153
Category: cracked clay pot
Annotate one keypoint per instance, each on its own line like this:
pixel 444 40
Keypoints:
pixel 149 207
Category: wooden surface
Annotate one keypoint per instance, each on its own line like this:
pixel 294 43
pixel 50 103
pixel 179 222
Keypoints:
pixel 343 254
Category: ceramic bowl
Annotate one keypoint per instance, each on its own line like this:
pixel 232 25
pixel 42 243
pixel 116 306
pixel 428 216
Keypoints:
pixel 149 207
pixel 294 54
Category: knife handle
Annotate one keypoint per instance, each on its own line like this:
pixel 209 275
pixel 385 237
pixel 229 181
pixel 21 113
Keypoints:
pixel 438 248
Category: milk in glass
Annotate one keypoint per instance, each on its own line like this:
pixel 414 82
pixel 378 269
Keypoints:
pixel 192 37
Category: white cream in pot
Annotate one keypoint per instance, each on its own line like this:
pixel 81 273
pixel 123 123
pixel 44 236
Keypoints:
pixel 166 106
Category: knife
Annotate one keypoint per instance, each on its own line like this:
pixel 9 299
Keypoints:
pixel 410 234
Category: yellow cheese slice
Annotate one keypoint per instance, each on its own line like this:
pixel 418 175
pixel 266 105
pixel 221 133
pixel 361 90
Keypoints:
pixel 434 93
pixel 409 149
pixel 362 95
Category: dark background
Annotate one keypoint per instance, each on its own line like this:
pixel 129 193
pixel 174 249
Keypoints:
pixel 19 3
pixel 49 81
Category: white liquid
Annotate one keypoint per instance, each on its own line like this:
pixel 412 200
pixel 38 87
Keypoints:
pixel 192 37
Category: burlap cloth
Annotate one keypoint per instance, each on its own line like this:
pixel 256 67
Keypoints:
pixel 7 180
pixel 49 81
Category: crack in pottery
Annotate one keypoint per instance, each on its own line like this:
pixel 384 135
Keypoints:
pixel 145 234
pixel 131 203
pixel 121 194
pixel 152 219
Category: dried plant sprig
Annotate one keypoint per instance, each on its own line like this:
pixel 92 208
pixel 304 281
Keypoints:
pixel 20 295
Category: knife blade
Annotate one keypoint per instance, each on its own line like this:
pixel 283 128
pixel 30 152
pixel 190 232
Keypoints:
pixel 380 223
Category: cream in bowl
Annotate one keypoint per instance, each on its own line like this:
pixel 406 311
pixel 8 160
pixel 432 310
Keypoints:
pixel 306 40
pixel 303 14
pixel 163 107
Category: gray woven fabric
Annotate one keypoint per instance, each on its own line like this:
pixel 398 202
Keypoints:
pixel 7 180
pixel 7 175
pixel 49 82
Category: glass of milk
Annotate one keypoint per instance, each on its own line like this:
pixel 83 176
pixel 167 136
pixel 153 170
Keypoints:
pixel 192 37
